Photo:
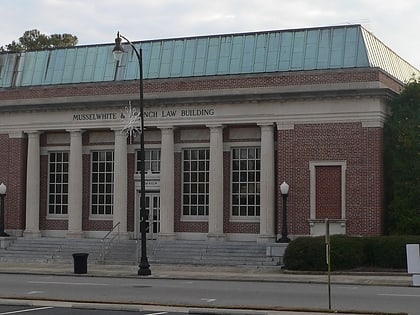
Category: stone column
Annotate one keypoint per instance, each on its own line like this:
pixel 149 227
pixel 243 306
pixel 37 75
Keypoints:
pixel 216 183
pixel 267 185
pixel 167 195
pixel 75 185
pixel 32 186
pixel 120 183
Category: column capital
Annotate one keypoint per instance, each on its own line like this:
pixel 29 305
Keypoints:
pixel 165 127
pixel 33 132
pixel 75 130
pixel 167 130
pixel 215 126
pixel 266 124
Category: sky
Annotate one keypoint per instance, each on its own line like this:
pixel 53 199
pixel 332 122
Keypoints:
pixel 394 22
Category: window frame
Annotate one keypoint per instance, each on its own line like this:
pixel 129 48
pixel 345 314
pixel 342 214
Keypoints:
pixel 197 194
pixel 64 184
pixel 105 184
pixel 148 162
pixel 312 171
pixel 256 182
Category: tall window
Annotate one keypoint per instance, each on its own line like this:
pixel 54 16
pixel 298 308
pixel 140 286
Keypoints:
pixel 102 183
pixel 246 166
pixel 196 182
pixel 58 183
pixel 151 161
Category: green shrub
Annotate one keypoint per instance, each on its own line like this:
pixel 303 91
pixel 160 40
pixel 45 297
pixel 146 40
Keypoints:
pixel 309 253
pixel 347 252
pixel 305 253
pixel 388 251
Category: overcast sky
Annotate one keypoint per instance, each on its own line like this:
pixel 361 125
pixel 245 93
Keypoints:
pixel 394 22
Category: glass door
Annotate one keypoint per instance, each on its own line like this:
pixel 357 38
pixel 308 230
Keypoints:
pixel 153 214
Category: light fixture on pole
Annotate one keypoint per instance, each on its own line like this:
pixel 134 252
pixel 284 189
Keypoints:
pixel 2 195
pixel 284 188
pixel 118 50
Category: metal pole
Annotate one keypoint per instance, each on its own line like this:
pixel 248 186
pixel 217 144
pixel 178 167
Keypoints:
pixel 284 232
pixel 328 256
pixel 2 233
pixel 144 269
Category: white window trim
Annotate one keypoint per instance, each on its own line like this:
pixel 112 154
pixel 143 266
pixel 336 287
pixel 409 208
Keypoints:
pixel 184 217
pixel 312 171
pixel 96 216
pixel 239 218
pixel 54 216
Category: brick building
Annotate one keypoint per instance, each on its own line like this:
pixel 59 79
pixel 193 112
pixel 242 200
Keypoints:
pixel 228 118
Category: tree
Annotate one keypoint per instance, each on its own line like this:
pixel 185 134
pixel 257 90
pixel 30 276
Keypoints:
pixel 34 40
pixel 402 161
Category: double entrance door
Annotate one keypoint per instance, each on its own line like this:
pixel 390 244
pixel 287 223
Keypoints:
pixel 152 213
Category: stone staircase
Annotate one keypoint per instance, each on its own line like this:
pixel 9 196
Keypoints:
pixel 125 252
pixel 50 250
pixel 211 253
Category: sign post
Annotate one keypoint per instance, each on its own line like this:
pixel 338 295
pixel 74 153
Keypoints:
pixel 328 257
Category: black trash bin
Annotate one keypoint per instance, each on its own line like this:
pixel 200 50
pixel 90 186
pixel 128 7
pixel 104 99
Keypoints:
pixel 80 262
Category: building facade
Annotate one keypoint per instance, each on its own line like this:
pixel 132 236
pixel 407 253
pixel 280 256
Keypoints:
pixel 228 118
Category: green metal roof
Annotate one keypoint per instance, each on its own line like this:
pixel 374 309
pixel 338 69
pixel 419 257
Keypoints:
pixel 335 47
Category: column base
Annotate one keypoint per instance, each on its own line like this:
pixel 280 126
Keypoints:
pixel 74 234
pixel 416 280
pixel 216 237
pixel 32 234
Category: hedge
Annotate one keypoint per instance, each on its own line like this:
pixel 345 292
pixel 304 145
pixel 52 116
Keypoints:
pixel 380 252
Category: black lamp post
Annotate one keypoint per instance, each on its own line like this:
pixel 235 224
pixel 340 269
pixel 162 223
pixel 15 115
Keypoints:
pixel 2 195
pixel 118 50
pixel 284 188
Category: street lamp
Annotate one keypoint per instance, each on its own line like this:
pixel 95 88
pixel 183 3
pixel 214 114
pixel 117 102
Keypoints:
pixel 118 50
pixel 284 188
pixel 2 195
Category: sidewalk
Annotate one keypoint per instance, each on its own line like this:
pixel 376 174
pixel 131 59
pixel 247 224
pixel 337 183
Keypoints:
pixel 239 273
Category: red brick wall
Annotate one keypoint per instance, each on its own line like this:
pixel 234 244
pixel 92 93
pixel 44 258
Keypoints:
pixel 13 175
pixel 204 83
pixel 360 147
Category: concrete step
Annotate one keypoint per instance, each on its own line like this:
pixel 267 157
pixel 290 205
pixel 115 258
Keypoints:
pixel 126 251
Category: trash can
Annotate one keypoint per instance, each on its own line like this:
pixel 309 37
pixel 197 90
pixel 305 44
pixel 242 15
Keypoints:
pixel 80 262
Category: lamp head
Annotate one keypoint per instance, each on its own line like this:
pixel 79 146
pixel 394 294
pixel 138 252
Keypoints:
pixel 2 189
pixel 118 48
pixel 284 188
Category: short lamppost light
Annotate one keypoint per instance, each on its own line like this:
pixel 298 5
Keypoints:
pixel 134 118
pixel 284 188
pixel 2 195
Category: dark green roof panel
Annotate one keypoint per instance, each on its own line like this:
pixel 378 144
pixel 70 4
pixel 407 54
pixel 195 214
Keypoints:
pixel 336 47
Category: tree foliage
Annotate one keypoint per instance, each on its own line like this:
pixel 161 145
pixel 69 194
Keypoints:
pixel 34 40
pixel 402 163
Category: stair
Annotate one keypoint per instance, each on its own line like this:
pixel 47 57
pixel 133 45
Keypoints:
pixel 125 252
pixel 49 250
pixel 212 253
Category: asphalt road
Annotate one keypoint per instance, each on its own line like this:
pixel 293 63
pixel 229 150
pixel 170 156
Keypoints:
pixel 205 293
pixel 51 310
